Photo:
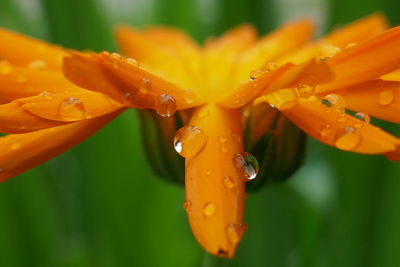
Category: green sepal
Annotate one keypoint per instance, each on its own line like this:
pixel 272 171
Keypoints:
pixel 280 152
pixel 158 136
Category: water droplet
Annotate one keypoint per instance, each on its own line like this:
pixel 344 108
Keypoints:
pixel 208 172
pixel 209 209
pixel 347 138
pixel 189 141
pixel 145 86
pixel 72 109
pixel 342 117
pixel 334 102
pixel 363 118
pixel 127 99
pixel 188 96
pixel 270 66
pixel 20 79
pixel 37 64
pixel 223 149
pixel 228 182
pixel 328 51
pixel 1 170
pixel 187 205
pixel 222 139
pixel 132 61
pixel 385 97
pixel 254 74
pixel 305 90
pixel 246 164
pixel 165 105
pixel 350 45
pixel 325 130
pixel 116 55
pixel 46 95
pixel 5 67
pixel 233 233
pixel 15 146
pixel 203 113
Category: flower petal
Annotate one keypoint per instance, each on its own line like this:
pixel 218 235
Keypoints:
pixel 69 106
pixel 21 152
pixel 338 129
pixel 174 58
pixel 367 61
pixel 377 98
pixel 15 119
pixel 214 189
pixel 24 82
pixel 392 76
pixel 24 51
pixel 395 155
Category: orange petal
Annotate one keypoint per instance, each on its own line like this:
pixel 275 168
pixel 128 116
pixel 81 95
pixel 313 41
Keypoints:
pixel 15 119
pixel 23 82
pixel 175 59
pixel 69 106
pixel 395 155
pixel 274 45
pixel 21 152
pixel 24 51
pixel 377 98
pixel 367 61
pixel 214 189
pixel 392 76
pixel 338 129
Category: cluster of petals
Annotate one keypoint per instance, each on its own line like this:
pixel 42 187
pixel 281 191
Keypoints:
pixel 52 99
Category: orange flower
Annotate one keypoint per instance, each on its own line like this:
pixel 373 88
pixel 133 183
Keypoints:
pixel 234 82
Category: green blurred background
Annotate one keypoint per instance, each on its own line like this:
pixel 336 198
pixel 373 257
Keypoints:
pixel 100 204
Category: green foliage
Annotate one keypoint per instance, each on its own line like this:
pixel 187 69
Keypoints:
pixel 100 205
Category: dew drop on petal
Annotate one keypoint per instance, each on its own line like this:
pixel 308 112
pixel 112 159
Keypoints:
pixel 187 205
pixel 127 99
pixel 208 172
pixel 165 105
pixel 145 86
pixel 46 95
pixel 305 90
pixel 270 66
pixel 72 109
pixel 5 67
pixel 254 74
pixel 334 102
pixel 37 64
pixel 188 96
pixel 189 141
pixel 209 209
pixel 325 130
pixel 341 117
pixel 228 182
pixel 132 61
pixel 347 138
pixel 385 97
pixel 363 118
pixel 1 170
pixel 222 139
pixel 233 234
pixel 223 149
pixel 246 164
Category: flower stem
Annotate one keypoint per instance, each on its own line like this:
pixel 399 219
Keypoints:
pixel 212 261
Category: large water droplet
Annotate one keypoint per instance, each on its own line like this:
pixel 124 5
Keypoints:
pixel 347 138
pixel 232 232
pixel 363 118
pixel 334 102
pixel 209 209
pixel 145 86
pixel 246 164
pixel 165 105
pixel 305 90
pixel 189 141
pixel 385 97
pixel 72 109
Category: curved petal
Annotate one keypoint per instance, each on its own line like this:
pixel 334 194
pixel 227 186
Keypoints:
pixel 176 59
pixel 123 81
pixel 21 152
pixel 214 189
pixel 24 51
pixel 21 82
pixel 69 106
pixel 15 119
pixel 377 98
pixel 338 129
pixel 367 61
pixel 391 76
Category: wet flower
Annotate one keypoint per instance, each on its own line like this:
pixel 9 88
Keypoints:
pixel 230 97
